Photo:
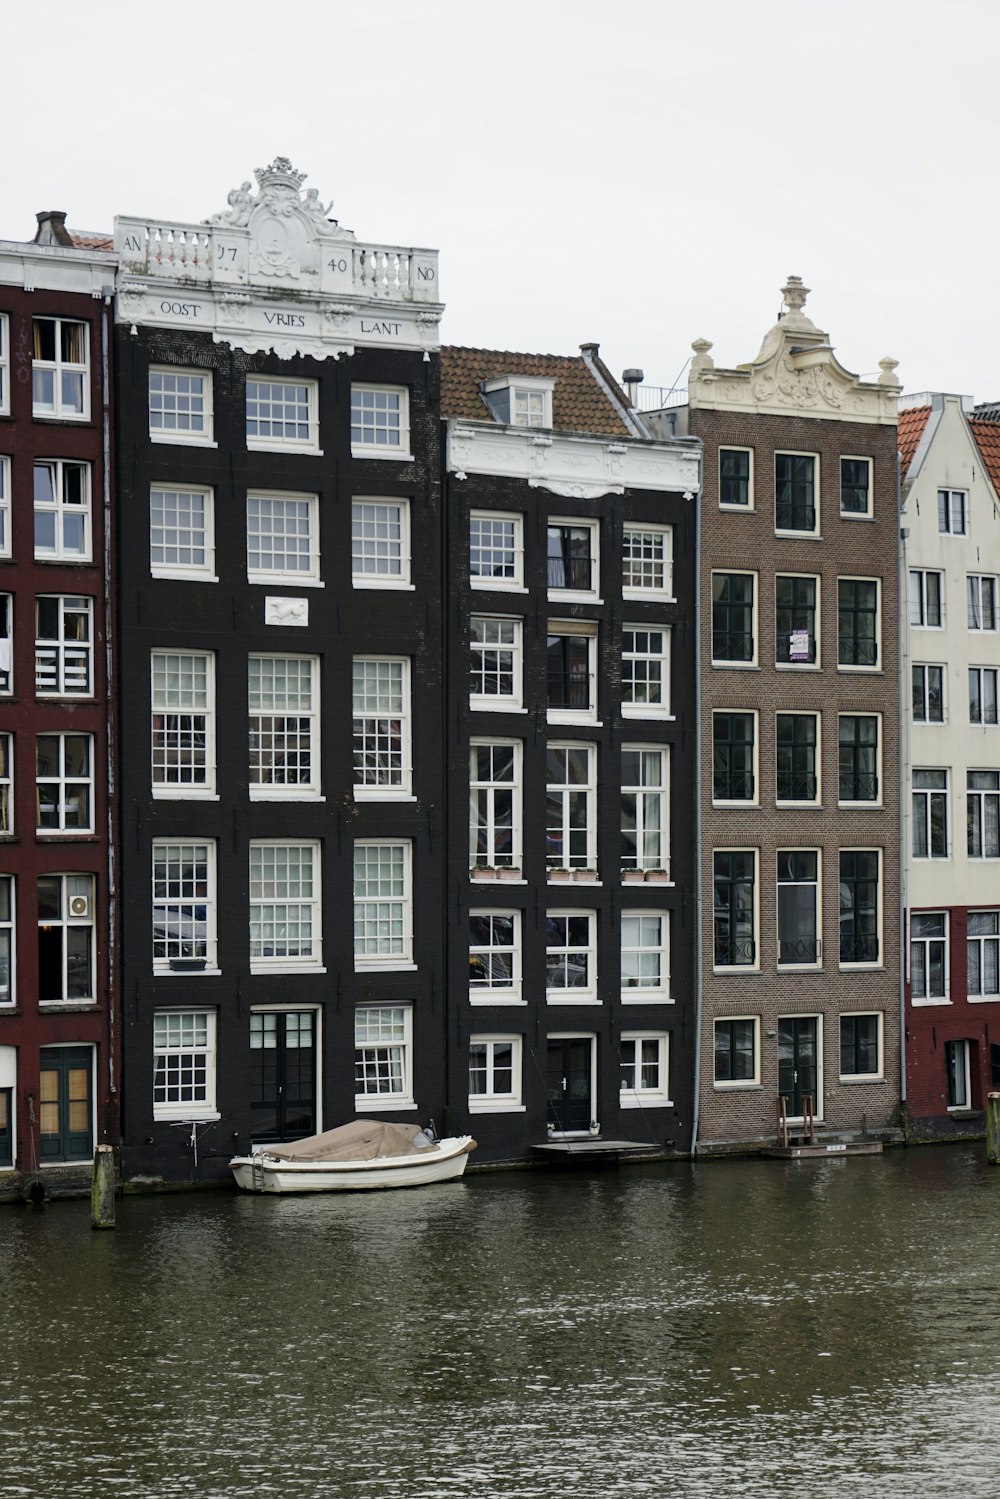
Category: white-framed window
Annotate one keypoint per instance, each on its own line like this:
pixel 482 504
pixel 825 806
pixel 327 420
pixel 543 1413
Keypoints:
pixel 861 1049
pixel 60 369
pixel 737 1052
pixel 859 766
pixel 184 1064
pixel 957 1061
pixel 796 620
pixel 495 1074
pixel 736 479
pixel 930 814
pixel 800 942
pixel 383 1057
pixel 282 414
pixel 570 956
pixel 571 665
pixel 573 556
pixel 495 668
pixel 380 543
pixel 647 561
pixel 571 806
pixel 953 512
pixel 380 421
pixel 381 709
pixel 495 804
pixel 926 598
pixel 983 694
pixel 4 364
pixel 981 594
pixel 180 405
pixel 859 627
pixel 796 493
pixel 645 672
pixel 856 488
pixel 983 955
pixel 928 955
pixel 797 758
pixel 6 643
pixel 734 757
pixel 645 808
pixel 645 952
pixel 285 913
pixel 184 905
pixel 182 532
pixel 734 619
pixel 982 807
pixel 928 693
pixel 65 937
pixel 496 549
pixel 494 957
pixel 644 1069
pixel 520 400
pixel 182 701
pixel 860 907
pixel 282 537
pixel 64 645
pixel 7 990
pixel 383 903
pixel 6 783
pixel 64 782
pixel 283 701
pixel 62 510
pixel 5 532
pixel 734 873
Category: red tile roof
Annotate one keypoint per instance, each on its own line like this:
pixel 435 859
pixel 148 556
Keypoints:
pixel 987 439
pixel 911 429
pixel 87 239
pixel 579 404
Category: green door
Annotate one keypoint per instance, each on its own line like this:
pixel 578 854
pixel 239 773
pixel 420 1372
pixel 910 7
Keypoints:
pixel 65 1116
pixel 798 1061
pixel 568 1084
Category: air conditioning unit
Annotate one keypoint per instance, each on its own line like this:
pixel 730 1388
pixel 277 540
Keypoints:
pixel 79 905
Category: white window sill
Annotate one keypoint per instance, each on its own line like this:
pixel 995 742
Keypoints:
pixel 375 794
pixel 255 445
pixel 210 1116
pixel 646 997
pixel 647 710
pixel 495 1108
pixel 283 580
pixel 494 705
pixel 559 998
pixel 572 596
pixel 631 1100
pixel 937 1001
pixel 738 509
pixel 493 879
pixel 871 671
pixel 59 835
pixel 800 806
pixel 60 416
pixel 860 967
pixel 799 535
pixel 855 515
pixel 395 455
pixel 651 595
pixel 182 577
pixel 586 884
pixel 853 1078
pixel 493 585
pixel 559 715
pixel 72 559
pixel 860 806
pixel 181 440
pixel 183 794
pixel 368 1103
pixel 279 794
pixel 514 1000
pixel 51 1005
pixel 266 968
pixel 737 665
pixel 737 969
pixel 186 973
pixel 798 666
pixel 738 1087
pixel 370 584
pixel 981 999
pixel 737 805
pixel 360 966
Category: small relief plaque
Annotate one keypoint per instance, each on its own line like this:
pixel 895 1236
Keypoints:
pixel 278 611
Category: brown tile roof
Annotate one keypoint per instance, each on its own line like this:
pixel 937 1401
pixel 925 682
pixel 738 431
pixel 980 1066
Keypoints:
pixel 578 402
pixel 911 429
pixel 987 439
pixel 87 239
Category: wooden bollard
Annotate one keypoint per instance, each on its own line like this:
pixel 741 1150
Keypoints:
pixel 993 1129
pixel 102 1189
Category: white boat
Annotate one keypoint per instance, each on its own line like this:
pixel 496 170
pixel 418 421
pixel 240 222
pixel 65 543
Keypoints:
pixel 358 1157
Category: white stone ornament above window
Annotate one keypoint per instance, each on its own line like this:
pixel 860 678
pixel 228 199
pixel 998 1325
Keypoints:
pixel 284 611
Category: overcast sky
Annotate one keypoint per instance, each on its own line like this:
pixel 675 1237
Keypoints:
pixel 640 175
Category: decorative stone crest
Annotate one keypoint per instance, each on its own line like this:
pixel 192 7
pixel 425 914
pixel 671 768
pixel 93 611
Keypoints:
pixel 284 223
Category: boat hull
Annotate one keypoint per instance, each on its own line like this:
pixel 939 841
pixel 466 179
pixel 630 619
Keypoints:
pixel 261 1173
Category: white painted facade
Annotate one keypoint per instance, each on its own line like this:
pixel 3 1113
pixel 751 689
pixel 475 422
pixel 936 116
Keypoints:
pixel 574 466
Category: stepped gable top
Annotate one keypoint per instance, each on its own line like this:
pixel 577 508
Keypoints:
pixel 987 439
pixel 578 402
pixel 912 422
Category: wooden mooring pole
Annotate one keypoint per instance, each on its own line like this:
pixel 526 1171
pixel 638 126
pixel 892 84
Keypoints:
pixel 102 1188
pixel 993 1129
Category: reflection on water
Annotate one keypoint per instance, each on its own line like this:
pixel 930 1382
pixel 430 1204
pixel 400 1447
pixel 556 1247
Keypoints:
pixel 746 1328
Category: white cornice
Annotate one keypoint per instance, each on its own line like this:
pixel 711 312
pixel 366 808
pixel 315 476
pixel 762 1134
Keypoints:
pixel 574 465
pixel 34 267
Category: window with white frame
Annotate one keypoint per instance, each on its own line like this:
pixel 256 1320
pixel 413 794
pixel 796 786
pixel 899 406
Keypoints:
pixel 573 556
pixel 645 808
pixel 982 807
pixel 6 642
pixel 645 954
pixel 180 405
pixel 4 364
pixel 927 693
pixel 796 492
pixel 520 400
pixel 860 906
pixel 797 757
pixel 494 1073
pixel 184 905
pixel 531 408
pixel 983 955
pixel 734 757
pixel 645 672
pixel 64 782
pixel 647 561
pixel 383 904
pixel 737 1052
pixel 383 1056
pixel 952 506
pixel 571 807
pixel 495 804
pixel 182 698
pixel 380 421
pixel 381 711
pixel 65 937
pixel 5 533
pixel 858 758
pixel 285 924
pixel 62 510
pixel 6 939
pixel 380 543
pixel 184 1064
pixel 282 537
pixel 181 532
pixel 796 615
pixel 929 955
pixel 930 814
pixel 858 624
pixel 282 414
pixel 571 665
pixel 734 633
pixel 494 662
pixel 496 549
pixel 6 783
pixel 494 956
pixel 861 1046
pixel 856 487
pixel 926 598
pixel 64 645
pixel 283 693
pixel 981 592
pixel 570 955
pixel 983 694
pixel 644 1070
pixel 60 369
pixel 735 905
pixel 799 941
pixel 736 478
pixel 958 1069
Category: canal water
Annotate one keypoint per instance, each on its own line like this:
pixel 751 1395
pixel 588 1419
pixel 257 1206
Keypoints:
pixel 817 1329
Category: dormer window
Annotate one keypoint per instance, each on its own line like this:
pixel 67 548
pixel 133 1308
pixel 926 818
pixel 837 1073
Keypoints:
pixel 520 400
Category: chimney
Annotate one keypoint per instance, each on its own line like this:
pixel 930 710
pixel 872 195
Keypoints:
pixel 632 379
pixel 52 228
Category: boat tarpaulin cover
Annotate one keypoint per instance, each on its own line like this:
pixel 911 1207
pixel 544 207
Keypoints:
pixel 362 1140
